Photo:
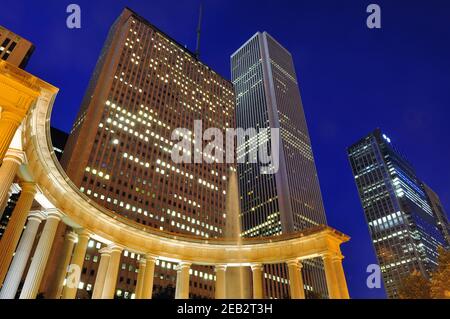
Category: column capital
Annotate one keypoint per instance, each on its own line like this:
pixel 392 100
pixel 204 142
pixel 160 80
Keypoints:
pixel 105 251
pixel 332 255
pixel 15 155
pixel 149 257
pixel 115 248
pixel 72 236
pixel 295 262
pixel 257 267
pixel 142 261
pixel 36 215
pixel 81 232
pixel 54 213
pixel 183 265
pixel 28 187
pixel 220 267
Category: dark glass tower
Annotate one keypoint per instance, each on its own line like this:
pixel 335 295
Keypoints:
pixel 268 96
pixel 401 221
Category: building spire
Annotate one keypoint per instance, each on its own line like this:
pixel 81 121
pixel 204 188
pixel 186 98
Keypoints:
pixel 199 30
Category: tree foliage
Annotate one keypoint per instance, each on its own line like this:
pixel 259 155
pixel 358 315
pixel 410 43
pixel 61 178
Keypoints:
pixel 417 286
pixel 414 286
pixel 440 281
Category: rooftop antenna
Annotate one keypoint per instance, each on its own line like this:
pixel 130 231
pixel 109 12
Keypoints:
pixel 199 30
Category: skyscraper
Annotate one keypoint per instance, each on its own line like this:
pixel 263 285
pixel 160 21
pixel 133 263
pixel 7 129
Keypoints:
pixel 144 87
pixel 439 213
pixel 14 49
pixel 268 96
pixel 401 221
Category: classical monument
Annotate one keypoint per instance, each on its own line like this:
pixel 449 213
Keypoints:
pixel 28 160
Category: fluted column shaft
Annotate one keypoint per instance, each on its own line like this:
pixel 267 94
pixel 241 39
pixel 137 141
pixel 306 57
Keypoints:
pixel 182 286
pixel 37 267
pixel 330 274
pixel 340 277
pixel 56 287
pixel 296 279
pixel 140 278
pixel 221 287
pixel 111 273
pixel 76 264
pixel 147 287
pixel 9 122
pixel 105 256
pixel 21 256
pixel 15 226
pixel 257 274
pixel 8 170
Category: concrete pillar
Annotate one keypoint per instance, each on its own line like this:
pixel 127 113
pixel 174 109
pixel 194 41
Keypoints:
pixel 330 274
pixel 37 267
pixel 147 287
pixel 140 278
pixel 56 287
pixel 15 226
pixel 9 123
pixel 182 287
pixel 21 256
pixel 296 279
pixel 8 170
pixel 111 273
pixel 340 276
pixel 105 256
pixel 76 265
pixel 257 271
pixel 221 288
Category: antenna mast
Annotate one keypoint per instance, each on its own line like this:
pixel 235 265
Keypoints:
pixel 199 30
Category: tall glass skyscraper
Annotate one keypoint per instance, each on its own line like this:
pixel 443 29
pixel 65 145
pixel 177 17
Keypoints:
pixel 401 221
pixel 268 96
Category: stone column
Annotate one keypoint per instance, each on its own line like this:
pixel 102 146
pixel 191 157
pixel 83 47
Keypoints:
pixel 182 287
pixel 296 279
pixel 37 267
pixel 8 170
pixel 330 274
pixel 147 287
pixel 21 256
pixel 56 287
pixel 340 276
pixel 111 273
pixel 15 226
pixel 9 123
pixel 257 271
pixel 221 288
pixel 76 265
pixel 105 256
pixel 140 277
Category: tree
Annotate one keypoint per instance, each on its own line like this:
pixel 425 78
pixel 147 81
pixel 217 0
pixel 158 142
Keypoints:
pixel 414 286
pixel 440 279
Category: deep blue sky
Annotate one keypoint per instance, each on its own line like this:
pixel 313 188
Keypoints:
pixel 352 79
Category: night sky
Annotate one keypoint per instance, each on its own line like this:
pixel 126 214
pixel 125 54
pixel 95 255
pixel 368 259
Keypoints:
pixel 352 79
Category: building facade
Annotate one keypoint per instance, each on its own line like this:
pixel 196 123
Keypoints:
pixel 399 215
pixel 439 213
pixel 268 96
pixel 14 49
pixel 144 87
